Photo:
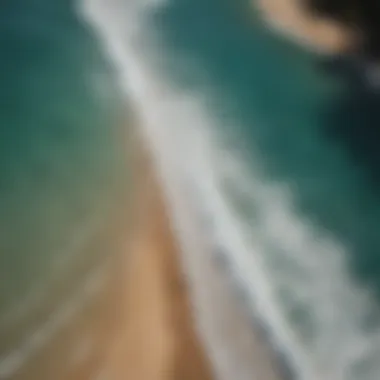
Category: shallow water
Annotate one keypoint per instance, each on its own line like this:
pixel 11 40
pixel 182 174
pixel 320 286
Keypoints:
pixel 63 161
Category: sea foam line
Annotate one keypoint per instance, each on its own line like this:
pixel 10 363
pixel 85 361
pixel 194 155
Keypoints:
pixel 177 127
pixel 157 106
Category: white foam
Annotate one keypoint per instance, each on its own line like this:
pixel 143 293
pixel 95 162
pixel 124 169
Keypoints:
pixel 183 136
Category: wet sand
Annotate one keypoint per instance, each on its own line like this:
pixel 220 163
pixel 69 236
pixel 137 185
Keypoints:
pixel 293 20
pixel 158 341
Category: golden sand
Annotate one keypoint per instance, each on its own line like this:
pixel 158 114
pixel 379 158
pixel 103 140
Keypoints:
pixel 158 341
pixel 294 20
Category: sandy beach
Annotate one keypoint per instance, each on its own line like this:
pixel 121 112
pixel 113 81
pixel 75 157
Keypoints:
pixel 158 340
pixel 293 20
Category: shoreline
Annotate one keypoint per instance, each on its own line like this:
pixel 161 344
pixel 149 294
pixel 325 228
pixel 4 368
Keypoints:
pixel 233 340
pixel 221 324
pixel 159 341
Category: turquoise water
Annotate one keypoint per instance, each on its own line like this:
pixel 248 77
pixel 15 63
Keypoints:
pixel 312 128
pixel 63 167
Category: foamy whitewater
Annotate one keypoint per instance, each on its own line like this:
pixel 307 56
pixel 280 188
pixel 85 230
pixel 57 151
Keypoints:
pixel 281 261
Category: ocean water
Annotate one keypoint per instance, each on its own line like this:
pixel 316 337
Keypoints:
pixel 277 146
pixel 63 162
